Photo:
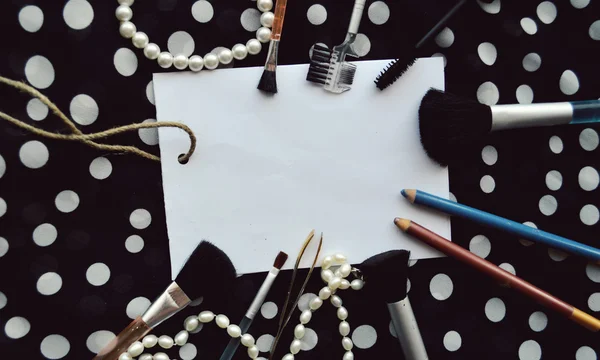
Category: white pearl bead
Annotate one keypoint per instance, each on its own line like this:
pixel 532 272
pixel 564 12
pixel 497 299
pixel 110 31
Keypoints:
pixel 344 328
pixel 327 262
pixel 263 34
pixel 342 313
pixel 165 59
pixel 182 337
pixel 145 357
pixel 325 293
pixel 326 275
pixel 222 321
pixel 264 5
pixel 348 356
pixel 225 56
pixel 234 331
pixel 211 61
pixel 126 2
pixel 288 357
pixel 266 19
pixel 247 340
pixel 254 46
pixel 338 273
pixel 299 331
pixel 339 259
pixel 347 344
pixel 206 316
pixel 127 29
pixel 335 283
pixel 336 301
pixel 165 342
pixel 140 40
pixel 305 317
pixel 253 352
pixel 151 51
pixel 135 349
pixel 124 13
pixel 239 51
pixel 315 303
pixel 180 61
pixel 357 284
pixel 344 284
pixel 149 341
pixel 295 346
pixel 125 356
pixel 191 323
pixel 161 356
pixel 196 63
pixel 345 269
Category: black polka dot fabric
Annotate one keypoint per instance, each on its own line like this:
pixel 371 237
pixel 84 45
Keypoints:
pixel 83 241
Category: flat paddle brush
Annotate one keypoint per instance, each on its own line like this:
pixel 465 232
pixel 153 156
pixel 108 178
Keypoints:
pixel 207 271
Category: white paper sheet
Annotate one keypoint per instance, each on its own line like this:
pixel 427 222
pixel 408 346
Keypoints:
pixel 268 169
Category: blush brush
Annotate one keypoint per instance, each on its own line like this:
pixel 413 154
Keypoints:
pixel 207 271
pixel 268 80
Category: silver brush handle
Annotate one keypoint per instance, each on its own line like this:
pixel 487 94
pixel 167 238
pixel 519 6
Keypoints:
pixel 530 115
pixel 359 6
pixel 407 330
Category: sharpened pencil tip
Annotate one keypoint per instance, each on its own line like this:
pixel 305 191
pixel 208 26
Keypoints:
pixel 410 194
pixel 402 224
pixel 403 192
pixel 280 260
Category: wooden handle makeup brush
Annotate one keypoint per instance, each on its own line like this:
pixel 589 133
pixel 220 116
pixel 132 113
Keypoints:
pixel 451 249
pixel 268 80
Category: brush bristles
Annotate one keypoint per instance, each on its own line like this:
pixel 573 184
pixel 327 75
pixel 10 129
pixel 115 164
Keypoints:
pixel 318 71
pixel 395 70
pixel 268 82
pixel 280 260
pixel 379 270
pixel 449 123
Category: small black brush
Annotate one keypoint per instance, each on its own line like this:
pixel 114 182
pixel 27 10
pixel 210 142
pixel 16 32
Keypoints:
pixel 378 270
pixel 268 80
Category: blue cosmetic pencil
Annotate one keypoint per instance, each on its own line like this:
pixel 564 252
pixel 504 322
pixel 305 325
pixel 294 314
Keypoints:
pixel 497 222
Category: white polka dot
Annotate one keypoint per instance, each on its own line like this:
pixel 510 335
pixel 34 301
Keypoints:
pixel 392 329
pixel 594 302
pixel 580 4
pixel 17 327
pixel 491 8
pixel 149 136
pixel 66 201
pixel 188 352
pixel 269 310
pixel 538 321
pixel 442 56
pixel 488 94
pixel 264 342
pixel 528 25
pixel 134 244
pixel 39 72
pixel 452 341
pixel 84 110
pixel 532 62
pixel 362 44
pixel 451 197
pixel 2 207
pixel 97 274
pixel 2 166
pixel 125 61
pixel 34 154
pixel 310 340
pixel 55 346
pixel 548 205
pixel 585 352
pixel 595 30
pixel 593 272
pixel 100 168
pixel 588 139
pixel 524 94
pixel 480 246
pixel 508 267
pixel 556 144
pixel 441 287
pixel 316 14
pixel 305 300
pixel 49 283
pixel 250 19
pixel 150 92
pixel 136 307
pixel 487 184
pixel 3 246
pixel 3 300
pixel 569 84
pixel 408 285
pixel 588 178
pixel 546 11
pixel 495 310
pixel 44 234
pixel 31 18
pixel 140 219
pixel 37 110
pixel 589 215
pixel 489 155
pixel 413 262
pixel 202 11
pixel 78 14
pixel 98 340
pixel 557 255
pixel 379 13
pixel 554 180
pixel 181 42
pixel 364 336
pixel 445 38
pixel 530 350
pixel 487 53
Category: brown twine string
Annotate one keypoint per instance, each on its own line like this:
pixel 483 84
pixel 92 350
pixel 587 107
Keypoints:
pixel 87 139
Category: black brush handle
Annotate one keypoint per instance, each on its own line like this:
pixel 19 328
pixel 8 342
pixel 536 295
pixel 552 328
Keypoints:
pixel 441 24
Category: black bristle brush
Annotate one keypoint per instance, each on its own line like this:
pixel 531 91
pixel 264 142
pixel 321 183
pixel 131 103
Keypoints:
pixel 268 80
pixel 379 271
pixel 207 271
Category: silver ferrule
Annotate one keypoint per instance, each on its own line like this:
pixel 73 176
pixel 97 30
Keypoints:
pixel 407 330
pixel 262 293
pixel 530 115
pixel 271 63
pixel 169 303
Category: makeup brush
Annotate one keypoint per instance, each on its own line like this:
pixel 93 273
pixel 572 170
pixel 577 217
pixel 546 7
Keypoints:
pixel 207 271
pixel 448 122
pixel 268 80
pixel 256 304
pixel 392 267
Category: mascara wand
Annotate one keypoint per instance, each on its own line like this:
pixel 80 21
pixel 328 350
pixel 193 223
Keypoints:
pixel 268 80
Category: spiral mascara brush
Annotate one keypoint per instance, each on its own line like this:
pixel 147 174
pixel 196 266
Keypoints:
pixel 268 80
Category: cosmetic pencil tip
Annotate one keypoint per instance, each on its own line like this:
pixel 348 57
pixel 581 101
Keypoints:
pixel 402 224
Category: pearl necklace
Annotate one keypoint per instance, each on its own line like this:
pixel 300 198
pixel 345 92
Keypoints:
pixel 334 278
pixel 210 61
